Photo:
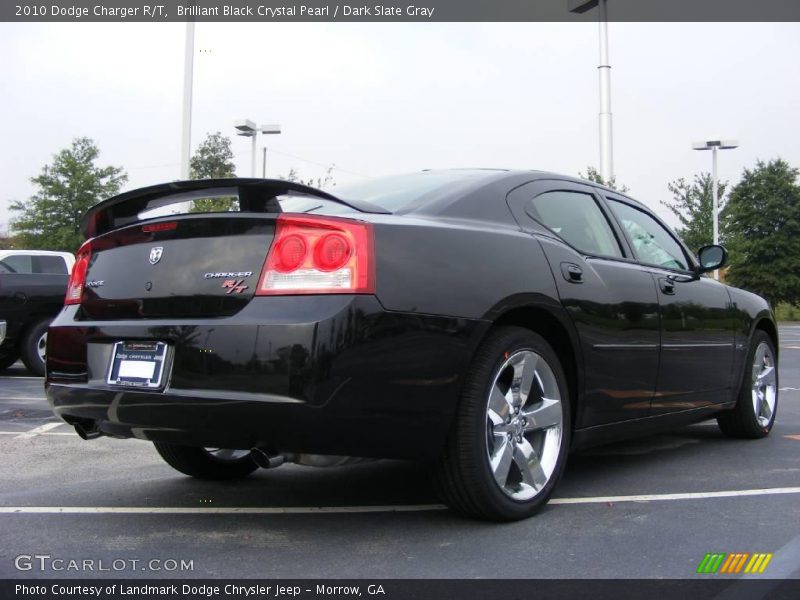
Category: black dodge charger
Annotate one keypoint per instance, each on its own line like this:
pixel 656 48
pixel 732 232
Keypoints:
pixel 486 321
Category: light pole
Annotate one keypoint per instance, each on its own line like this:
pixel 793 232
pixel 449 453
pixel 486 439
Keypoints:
pixel 247 128
pixel 188 72
pixel 604 72
pixel 715 145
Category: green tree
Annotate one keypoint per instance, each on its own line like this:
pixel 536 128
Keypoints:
pixel 50 219
pixel 592 174
pixel 323 182
pixel 213 159
pixel 692 203
pixel 762 231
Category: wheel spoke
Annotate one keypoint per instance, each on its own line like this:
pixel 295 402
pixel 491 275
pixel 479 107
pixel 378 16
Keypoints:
pixel 527 460
pixel 524 376
pixel 499 408
pixel 500 461
pixel 761 351
pixel 503 428
pixel 547 415
pixel 758 362
pixel 766 377
pixel 764 409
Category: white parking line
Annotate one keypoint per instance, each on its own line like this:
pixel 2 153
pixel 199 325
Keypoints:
pixel 37 430
pixel 232 510
pixel 681 496
pixel 41 433
pixel 279 510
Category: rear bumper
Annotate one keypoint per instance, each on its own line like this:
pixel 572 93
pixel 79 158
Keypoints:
pixel 320 374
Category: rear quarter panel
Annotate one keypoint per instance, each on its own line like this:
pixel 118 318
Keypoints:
pixel 458 268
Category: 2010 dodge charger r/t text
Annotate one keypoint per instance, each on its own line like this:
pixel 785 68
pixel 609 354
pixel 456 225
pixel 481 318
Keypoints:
pixel 486 321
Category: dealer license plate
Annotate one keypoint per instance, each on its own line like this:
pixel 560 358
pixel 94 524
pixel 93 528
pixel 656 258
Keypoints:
pixel 137 364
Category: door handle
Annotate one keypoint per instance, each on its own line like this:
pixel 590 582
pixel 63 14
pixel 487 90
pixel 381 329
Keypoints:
pixel 572 272
pixel 667 285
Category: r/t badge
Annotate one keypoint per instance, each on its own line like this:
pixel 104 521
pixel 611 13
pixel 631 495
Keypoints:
pixel 234 285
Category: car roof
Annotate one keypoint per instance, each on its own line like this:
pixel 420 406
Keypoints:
pixel 516 177
pixel 5 253
pixel 544 175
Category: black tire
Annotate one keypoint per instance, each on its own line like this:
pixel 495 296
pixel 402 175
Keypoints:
pixel 202 464
pixel 29 350
pixel 463 476
pixel 742 422
pixel 6 360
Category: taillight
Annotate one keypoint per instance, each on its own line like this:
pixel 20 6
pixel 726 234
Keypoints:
pixel 319 255
pixel 77 278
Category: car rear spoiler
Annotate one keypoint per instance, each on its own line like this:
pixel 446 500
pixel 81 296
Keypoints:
pixel 255 195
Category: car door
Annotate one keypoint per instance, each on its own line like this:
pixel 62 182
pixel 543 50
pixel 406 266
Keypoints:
pixel 611 299
pixel 697 334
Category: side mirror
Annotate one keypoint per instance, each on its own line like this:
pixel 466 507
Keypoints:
pixel 711 258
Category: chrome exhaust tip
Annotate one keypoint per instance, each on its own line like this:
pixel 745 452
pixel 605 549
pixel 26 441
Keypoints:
pixel 88 433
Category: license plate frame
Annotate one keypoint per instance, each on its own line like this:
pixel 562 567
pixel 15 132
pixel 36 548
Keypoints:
pixel 137 364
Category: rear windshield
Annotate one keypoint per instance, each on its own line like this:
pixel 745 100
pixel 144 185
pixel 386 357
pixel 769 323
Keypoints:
pixel 395 193
pixel 227 200
pixel 400 192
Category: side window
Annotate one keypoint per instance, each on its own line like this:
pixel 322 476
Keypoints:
pixel 575 217
pixel 49 264
pixel 652 243
pixel 19 263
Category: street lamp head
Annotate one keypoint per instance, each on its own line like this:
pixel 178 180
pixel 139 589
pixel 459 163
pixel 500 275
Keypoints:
pixel 246 127
pixel 720 144
pixel 270 129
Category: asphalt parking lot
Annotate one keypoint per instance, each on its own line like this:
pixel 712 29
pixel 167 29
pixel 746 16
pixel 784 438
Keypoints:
pixel 649 508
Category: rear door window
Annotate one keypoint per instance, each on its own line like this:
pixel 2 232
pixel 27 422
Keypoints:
pixel 578 220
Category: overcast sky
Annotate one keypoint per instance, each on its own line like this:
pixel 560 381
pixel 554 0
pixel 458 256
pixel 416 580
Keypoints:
pixel 385 98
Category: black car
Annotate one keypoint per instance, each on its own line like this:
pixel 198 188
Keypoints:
pixel 32 287
pixel 487 321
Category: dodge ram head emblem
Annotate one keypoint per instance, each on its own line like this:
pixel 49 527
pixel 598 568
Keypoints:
pixel 155 254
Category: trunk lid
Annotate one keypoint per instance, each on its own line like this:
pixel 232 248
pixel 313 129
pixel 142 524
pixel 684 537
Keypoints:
pixel 207 266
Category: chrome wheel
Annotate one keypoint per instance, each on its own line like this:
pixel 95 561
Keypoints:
pixel 41 347
pixel 764 388
pixel 524 424
pixel 226 453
